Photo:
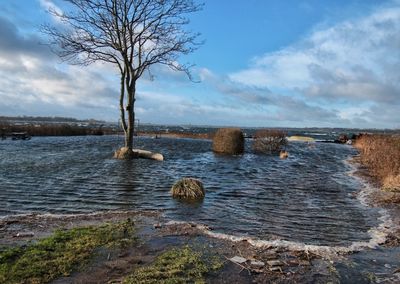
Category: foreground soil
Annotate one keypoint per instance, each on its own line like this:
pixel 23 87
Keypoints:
pixel 156 251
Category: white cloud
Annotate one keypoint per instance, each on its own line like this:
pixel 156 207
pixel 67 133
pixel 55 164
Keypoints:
pixel 33 82
pixel 344 50
pixel 353 62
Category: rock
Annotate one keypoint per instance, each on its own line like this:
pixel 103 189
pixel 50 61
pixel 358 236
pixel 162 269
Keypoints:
pixel 283 154
pixel 188 188
pixel 297 262
pixel 342 139
pixel 238 259
pixel 257 264
pixel 274 262
pixel 24 235
pixel 228 141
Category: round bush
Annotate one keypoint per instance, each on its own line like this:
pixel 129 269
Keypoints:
pixel 188 188
pixel 228 141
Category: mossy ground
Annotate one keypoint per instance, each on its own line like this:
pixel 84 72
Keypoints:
pixel 61 253
pixel 178 265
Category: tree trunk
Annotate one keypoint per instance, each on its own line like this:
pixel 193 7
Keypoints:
pixel 131 116
pixel 121 104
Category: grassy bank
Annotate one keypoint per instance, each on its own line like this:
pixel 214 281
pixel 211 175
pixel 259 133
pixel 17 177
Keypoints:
pixel 381 155
pixel 61 253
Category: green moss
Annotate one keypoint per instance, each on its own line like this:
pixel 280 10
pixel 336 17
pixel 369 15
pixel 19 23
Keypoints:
pixel 181 265
pixel 59 254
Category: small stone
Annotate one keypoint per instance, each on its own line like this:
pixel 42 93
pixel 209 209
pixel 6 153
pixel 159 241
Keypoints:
pixel 257 264
pixel 24 234
pixel 304 263
pixel 274 262
pixel 238 259
pixel 275 268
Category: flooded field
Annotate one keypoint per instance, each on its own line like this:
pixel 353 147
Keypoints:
pixel 309 197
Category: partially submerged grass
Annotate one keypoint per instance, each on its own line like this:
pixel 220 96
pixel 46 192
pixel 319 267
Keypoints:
pixel 59 254
pixel 269 141
pixel 381 155
pixel 179 265
pixel 188 188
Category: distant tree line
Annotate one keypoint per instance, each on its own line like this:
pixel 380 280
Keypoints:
pixel 46 118
pixel 53 129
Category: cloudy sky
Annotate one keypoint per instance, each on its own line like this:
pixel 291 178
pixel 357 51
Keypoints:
pixel 271 63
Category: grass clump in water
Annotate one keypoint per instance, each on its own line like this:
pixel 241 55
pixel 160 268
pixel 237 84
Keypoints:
pixel 59 254
pixel 179 265
pixel 188 188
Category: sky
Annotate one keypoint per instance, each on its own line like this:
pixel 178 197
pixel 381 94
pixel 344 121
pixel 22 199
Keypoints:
pixel 264 63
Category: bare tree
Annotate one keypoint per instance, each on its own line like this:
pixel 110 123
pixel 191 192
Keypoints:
pixel 131 34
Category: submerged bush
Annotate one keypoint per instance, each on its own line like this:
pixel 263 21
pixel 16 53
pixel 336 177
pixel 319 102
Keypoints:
pixel 269 141
pixel 60 253
pixel 228 141
pixel 188 188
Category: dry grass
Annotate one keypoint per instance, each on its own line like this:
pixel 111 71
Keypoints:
pixel 269 141
pixel 381 155
pixel 228 141
pixel 188 188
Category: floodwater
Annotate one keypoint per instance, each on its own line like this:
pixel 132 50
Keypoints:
pixel 308 198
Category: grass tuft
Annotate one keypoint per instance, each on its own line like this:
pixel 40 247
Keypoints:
pixel 179 265
pixel 188 188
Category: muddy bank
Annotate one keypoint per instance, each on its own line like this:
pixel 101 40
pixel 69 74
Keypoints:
pixel 238 261
pixel 156 237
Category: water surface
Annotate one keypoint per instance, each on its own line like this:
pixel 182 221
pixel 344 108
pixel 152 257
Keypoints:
pixel 308 197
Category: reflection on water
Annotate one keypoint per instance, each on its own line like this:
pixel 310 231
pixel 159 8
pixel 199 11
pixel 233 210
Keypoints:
pixel 306 198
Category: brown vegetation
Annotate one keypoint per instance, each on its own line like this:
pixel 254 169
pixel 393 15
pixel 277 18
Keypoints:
pixel 188 188
pixel 228 141
pixel 269 141
pixel 53 129
pixel 381 155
